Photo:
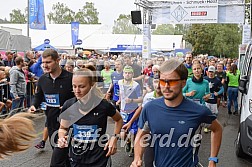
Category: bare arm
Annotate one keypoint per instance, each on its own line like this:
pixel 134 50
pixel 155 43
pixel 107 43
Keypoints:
pixel 138 148
pixel 118 122
pixel 216 137
pixel 112 143
pixel 136 114
pixel 138 78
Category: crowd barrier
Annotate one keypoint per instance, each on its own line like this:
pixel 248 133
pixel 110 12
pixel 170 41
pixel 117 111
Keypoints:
pixel 5 95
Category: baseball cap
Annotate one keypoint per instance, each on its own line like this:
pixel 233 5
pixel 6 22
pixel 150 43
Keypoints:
pixel 128 69
pixel 211 69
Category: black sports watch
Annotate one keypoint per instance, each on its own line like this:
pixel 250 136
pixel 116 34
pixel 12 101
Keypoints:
pixel 117 136
pixel 215 159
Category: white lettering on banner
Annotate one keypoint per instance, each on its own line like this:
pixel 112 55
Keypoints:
pixel 196 11
pixel 218 11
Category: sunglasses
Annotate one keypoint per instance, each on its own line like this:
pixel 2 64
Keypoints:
pixel 172 82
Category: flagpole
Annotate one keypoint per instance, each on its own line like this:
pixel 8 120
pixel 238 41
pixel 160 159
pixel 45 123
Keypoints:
pixel 28 20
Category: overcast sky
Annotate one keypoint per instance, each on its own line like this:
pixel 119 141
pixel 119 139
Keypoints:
pixel 109 10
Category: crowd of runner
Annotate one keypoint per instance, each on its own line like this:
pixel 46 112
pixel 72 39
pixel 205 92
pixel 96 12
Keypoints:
pixel 149 98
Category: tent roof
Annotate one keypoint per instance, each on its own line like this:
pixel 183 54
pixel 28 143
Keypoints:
pixel 43 47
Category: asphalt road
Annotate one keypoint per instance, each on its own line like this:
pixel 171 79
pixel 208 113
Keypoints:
pixel 227 157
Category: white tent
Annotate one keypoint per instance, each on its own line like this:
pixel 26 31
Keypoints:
pixel 95 36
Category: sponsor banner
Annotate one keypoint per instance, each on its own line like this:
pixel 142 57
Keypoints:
pixel 37 15
pixel 146 48
pixel 75 32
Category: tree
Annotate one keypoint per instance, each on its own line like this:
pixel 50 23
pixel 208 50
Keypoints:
pixel 123 25
pixel 88 14
pixel 164 29
pixel 16 16
pixel 181 29
pixel 214 39
pixel 61 14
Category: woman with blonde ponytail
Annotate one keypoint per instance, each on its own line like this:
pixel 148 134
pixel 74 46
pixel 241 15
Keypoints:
pixel 16 134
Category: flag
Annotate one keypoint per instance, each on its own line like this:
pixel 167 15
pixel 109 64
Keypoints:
pixel 75 32
pixel 37 15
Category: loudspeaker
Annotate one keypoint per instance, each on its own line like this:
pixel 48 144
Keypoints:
pixel 136 17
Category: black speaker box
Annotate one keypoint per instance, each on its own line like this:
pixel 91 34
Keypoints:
pixel 136 17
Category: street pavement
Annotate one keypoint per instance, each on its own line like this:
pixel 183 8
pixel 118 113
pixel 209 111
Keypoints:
pixel 227 158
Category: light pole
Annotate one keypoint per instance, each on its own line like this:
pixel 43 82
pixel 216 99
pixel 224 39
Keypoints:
pixel 28 20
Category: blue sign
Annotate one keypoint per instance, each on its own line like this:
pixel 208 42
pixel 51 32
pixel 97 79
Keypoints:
pixel 75 32
pixel 46 41
pixel 37 15
pixel 130 47
pixel 78 42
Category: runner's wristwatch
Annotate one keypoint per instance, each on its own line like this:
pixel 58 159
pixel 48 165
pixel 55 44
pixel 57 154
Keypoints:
pixel 214 159
pixel 117 136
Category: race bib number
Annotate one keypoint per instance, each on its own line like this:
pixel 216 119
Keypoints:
pixel 52 100
pixel 85 133
pixel 125 116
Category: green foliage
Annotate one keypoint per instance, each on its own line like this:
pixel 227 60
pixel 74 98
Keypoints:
pixel 169 29
pixel 88 14
pixel 63 15
pixel 16 16
pixel 164 29
pixel 123 25
pixel 214 39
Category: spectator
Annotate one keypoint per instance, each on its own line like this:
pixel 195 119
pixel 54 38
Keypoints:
pixel 9 61
pixel 4 101
pixel 69 66
pixel 17 84
pixel 28 56
pixel 233 76
pixel 36 68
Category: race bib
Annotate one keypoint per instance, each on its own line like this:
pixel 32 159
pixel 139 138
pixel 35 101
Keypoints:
pixel 125 116
pixel 85 133
pixel 52 100
pixel 43 106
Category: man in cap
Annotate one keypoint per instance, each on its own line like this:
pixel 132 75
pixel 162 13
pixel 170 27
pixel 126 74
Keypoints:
pixel 216 89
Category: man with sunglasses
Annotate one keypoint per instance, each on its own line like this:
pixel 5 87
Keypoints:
pixel 149 151
pixel 174 122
